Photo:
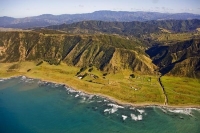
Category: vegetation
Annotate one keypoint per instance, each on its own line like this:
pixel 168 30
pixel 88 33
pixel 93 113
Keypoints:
pixel 182 90
pixel 77 50
pixel 180 58
pixel 171 38
pixel 134 28
pixel 39 63
pixel 143 89
pixel 121 60
pixel 118 86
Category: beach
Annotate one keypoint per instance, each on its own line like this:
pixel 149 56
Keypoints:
pixel 43 106
pixel 118 87
pixel 120 102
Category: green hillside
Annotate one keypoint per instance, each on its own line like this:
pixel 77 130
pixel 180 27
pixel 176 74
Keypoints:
pixel 159 68
pixel 106 52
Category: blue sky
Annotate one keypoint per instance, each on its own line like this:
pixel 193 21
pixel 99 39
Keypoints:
pixel 26 8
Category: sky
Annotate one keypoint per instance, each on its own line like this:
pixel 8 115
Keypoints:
pixel 27 8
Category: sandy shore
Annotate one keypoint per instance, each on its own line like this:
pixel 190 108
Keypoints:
pixel 117 101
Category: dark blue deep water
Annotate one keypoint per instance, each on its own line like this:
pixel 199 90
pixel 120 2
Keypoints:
pixel 33 106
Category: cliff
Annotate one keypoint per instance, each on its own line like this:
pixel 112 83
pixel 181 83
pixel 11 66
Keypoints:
pixel 106 52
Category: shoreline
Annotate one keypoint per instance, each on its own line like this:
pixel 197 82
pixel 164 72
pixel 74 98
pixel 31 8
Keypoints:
pixel 114 100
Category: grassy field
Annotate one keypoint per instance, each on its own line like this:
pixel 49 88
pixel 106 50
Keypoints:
pixel 140 89
pixel 182 90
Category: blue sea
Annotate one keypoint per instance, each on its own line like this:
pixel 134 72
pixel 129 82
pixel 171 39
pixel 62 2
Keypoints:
pixel 34 106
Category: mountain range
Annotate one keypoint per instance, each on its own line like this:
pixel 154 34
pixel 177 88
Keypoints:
pixel 144 42
pixel 107 52
pixel 135 28
pixel 111 16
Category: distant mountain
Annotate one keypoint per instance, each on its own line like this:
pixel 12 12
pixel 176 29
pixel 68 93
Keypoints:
pixel 128 28
pixel 111 16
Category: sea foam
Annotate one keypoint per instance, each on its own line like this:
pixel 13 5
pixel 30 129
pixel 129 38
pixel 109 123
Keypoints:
pixel 124 117
pixel 113 109
pixel 77 95
pixel 26 79
pixel 136 118
pixel 115 105
pixel 181 111
pixel 186 111
pixel 141 111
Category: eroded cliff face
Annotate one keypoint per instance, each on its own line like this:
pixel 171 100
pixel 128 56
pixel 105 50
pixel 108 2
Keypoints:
pixel 107 53
pixel 181 59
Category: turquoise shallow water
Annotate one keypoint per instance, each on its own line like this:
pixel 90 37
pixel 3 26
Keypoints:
pixel 32 106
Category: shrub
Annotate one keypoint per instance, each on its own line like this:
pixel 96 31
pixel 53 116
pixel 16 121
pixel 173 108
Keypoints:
pixel 132 76
pixel 39 63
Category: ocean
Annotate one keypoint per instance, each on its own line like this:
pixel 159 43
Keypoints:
pixel 34 106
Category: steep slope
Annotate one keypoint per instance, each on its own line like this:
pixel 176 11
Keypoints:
pixel 128 28
pixel 111 16
pixel 106 52
pixel 181 58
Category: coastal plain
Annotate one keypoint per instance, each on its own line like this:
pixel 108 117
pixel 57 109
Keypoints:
pixel 139 90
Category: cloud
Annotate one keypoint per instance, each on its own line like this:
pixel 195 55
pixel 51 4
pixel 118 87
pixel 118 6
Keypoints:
pixel 155 1
pixel 165 9
pixel 81 5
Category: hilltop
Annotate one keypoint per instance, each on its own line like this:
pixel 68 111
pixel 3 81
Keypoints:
pixel 106 52
pixel 134 28
pixel 109 16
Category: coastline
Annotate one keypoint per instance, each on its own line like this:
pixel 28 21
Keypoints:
pixel 114 100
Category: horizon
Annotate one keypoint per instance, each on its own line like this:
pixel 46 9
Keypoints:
pixel 98 11
pixel 28 8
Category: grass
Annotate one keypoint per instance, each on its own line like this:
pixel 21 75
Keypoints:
pixel 143 89
pixel 174 37
pixel 118 86
pixel 182 90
